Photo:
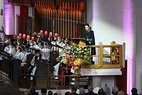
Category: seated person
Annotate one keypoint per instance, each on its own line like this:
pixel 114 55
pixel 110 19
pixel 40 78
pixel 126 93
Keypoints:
pixel 73 91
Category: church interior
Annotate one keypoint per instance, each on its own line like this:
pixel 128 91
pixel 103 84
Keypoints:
pixel 70 47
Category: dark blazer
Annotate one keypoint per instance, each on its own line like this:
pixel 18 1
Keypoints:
pixel 91 93
pixel 89 35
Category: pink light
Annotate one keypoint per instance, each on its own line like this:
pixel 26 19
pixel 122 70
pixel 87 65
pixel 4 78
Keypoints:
pixel 128 37
pixel 8 19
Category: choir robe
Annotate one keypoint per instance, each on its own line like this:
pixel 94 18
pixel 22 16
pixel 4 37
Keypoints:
pixel 37 47
pixel 45 52
pixel 7 48
pixel 33 67
pixel 35 57
pixel 56 70
pixel 24 61
pixel 22 54
pixel 62 45
pixel 11 51
pixel 25 56
pixel 54 47
pixel 17 55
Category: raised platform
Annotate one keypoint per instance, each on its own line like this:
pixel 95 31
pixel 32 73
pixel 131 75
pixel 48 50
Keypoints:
pixel 100 72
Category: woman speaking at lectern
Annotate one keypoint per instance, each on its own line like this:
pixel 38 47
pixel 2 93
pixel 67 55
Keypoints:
pixel 89 36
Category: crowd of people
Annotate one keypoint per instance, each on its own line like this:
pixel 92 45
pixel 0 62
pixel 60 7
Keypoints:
pixel 39 45
pixel 18 46
pixel 82 91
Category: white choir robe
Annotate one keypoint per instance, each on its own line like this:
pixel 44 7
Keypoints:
pixel 17 55
pixel 53 43
pixel 56 70
pixel 24 59
pixel 54 48
pixel 11 51
pixel 33 60
pixel 33 72
pixel 22 55
pixel 61 44
pixel 31 46
pixel 45 52
pixel 37 47
pixel 6 49
pixel 25 56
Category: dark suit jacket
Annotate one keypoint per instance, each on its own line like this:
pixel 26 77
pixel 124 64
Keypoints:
pixel 91 93
pixel 89 35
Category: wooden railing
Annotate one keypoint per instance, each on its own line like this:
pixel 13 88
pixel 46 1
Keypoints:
pixel 10 69
pixel 49 82
pixel 107 56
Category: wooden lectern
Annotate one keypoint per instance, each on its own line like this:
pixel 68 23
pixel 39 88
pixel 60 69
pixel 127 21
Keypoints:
pixel 81 42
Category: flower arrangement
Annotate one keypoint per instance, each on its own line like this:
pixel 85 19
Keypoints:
pixel 75 55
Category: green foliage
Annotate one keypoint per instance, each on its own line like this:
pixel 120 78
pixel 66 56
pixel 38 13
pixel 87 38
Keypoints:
pixel 79 52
